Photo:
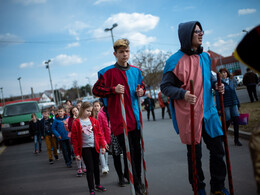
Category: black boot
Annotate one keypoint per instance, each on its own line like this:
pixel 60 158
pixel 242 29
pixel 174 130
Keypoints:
pixel 238 143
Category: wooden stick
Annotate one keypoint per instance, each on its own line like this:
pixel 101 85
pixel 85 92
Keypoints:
pixel 221 101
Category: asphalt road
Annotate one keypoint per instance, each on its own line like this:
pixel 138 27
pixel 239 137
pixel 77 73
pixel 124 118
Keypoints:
pixel 243 95
pixel 25 173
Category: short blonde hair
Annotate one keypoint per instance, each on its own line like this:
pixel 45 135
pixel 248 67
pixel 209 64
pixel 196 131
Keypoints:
pixel 121 43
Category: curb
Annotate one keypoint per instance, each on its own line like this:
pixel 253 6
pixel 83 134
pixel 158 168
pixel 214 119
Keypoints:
pixel 242 134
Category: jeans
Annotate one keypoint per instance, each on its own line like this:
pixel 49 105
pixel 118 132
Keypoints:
pixel 230 112
pixel 90 157
pixel 66 151
pixel 37 139
pixel 217 164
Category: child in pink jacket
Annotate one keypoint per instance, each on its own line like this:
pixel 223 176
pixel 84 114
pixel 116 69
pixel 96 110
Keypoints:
pixel 106 131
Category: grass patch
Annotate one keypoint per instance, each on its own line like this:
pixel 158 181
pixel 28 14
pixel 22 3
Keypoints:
pixel 253 109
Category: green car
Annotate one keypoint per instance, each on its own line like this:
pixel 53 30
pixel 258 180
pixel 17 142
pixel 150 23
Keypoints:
pixel 16 117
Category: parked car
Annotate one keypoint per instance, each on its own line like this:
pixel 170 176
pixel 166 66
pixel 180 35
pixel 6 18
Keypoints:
pixel 16 117
pixel 239 79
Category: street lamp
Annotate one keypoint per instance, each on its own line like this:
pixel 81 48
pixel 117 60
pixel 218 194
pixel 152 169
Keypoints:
pixel 111 30
pixel 246 31
pixel 19 79
pixel 48 67
pixel 3 100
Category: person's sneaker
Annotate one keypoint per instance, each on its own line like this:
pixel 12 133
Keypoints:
pixel 101 188
pixel 92 192
pixel 56 157
pixel 69 165
pixel 142 188
pixel 79 173
pixel 104 171
pixel 51 161
pixel 220 192
pixel 58 151
pixel 40 150
pixel 122 182
pixel 85 171
pixel 35 151
pixel 201 192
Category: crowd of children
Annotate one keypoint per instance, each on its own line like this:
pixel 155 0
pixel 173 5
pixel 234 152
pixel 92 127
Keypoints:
pixel 83 133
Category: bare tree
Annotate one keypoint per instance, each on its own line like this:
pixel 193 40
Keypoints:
pixel 151 62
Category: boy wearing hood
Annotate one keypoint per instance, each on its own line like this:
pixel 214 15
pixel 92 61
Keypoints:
pixel 191 63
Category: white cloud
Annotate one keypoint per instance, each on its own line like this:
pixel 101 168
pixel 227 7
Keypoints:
pixel 28 2
pixel 75 44
pixel 207 45
pixel 225 48
pixel 26 65
pixel 65 60
pixel 207 32
pixel 246 11
pixel 235 35
pixel 131 26
pixel 103 1
pixel 139 39
pixel 8 38
pixel 76 28
pixel 96 68
pixel 73 74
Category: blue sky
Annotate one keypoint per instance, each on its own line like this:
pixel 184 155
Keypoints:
pixel 71 34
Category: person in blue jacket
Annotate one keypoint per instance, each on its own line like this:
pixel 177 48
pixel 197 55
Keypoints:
pixel 191 63
pixel 61 134
pixel 231 103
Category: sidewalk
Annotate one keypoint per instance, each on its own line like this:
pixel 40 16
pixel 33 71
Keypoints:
pixel 242 134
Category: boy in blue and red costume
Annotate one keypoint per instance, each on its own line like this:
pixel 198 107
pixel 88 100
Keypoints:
pixel 191 63
pixel 123 78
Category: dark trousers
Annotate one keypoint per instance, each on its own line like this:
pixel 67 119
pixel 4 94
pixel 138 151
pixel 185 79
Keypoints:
pixel 251 89
pixel 168 110
pixel 118 167
pixel 91 160
pixel 66 151
pixel 217 164
pixel 236 127
pixel 135 152
pixel 148 114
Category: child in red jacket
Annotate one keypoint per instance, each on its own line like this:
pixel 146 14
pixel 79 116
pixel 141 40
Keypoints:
pixel 87 140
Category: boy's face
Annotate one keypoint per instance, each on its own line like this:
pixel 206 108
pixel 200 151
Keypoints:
pixel 122 55
pixel 197 37
pixel 46 115
pixel 61 113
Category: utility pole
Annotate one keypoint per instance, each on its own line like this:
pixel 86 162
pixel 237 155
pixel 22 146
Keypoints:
pixel 3 100
pixel 48 67
pixel 19 79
